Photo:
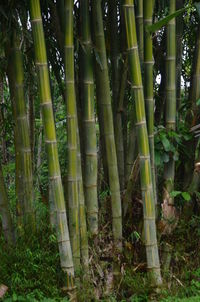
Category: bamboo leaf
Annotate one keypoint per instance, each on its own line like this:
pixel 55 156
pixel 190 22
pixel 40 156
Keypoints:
pixel 198 102
pixel 186 196
pixel 166 143
pixel 176 156
pixel 158 25
pixel 98 59
pixel 165 158
pixel 157 158
pixel 175 193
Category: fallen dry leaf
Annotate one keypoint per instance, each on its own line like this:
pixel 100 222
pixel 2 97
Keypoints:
pixel 3 290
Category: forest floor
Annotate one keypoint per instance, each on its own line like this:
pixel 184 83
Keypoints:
pixel 31 270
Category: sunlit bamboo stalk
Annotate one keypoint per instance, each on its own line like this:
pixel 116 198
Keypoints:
pixel 90 140
pixel 55 181
pixel 153 263
pixel 72 124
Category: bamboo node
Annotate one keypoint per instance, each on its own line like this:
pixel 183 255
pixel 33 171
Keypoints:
pixel 149 218
pixel 71 116
pixel 147 20
pixel 46 103
pixel 147 188
pixel 69 46
pixel 89 121
pixel 88 82
pixel 36 20
pixel 50 141
pixel 24 117
pixel 170 58
pixel 90 186
pixel 128 5
pixel 136 86
pixel 19 85
pixel 151 244
pixel 144 156
pixel 149 99
pixel 91 154
pixel 149 62
pixel 41 64
pixel 70 81
pixel 25 149
pixel 54 177
pixel 140 123
pixel 132 48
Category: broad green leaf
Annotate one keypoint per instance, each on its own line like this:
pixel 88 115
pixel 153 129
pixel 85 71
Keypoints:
pixel 197 5
pixel 165 158
pixel 166 143
pixel 186 196
pixel 157 158
pixel 175 193
pixel 198 102
pixel 176 156
pixel 158 25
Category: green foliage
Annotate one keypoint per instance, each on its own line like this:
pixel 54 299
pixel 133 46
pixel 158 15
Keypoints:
pixel 31 270
pixel 135 285
pixel 158 25
pixel 183 195
pixel 170 144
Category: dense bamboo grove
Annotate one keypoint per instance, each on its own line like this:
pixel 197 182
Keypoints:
pixel 99 140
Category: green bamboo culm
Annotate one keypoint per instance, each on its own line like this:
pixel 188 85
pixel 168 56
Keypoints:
pixel 84 252
pixel 90 140
pixel 55 181
pixel 72 124
pixel 18 171
pixel 139 15
pixel 104 102
pixel 170 119
pixel 6 219
pixel 153 263
pixel 148 86
pixel 116 68
pixel 24 140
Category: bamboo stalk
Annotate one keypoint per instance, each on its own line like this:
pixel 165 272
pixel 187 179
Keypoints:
pixel 170 118
pixel 153 263
pixel 5 212
pixel 90 141
pixel 131 145
pixel 179 52
pixel 116 68
pixel 140 29
pixel 72 124
pixel 104 100
pixel 18 171
pixel 148 87
pixel 24 139
pixel 55 181
pixel 82 217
